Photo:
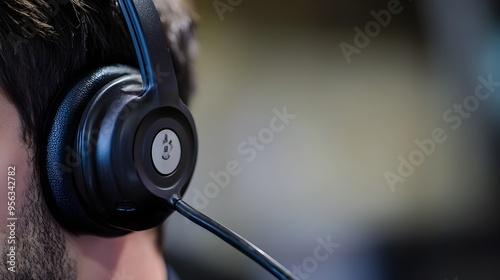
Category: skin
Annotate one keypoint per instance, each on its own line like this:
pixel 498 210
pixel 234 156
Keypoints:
pixel 44 250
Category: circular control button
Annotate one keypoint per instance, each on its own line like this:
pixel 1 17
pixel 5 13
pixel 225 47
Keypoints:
pixel 166 152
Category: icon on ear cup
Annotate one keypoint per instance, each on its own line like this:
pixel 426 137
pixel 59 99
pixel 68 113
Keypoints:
pixel 167 148
pixel 166 152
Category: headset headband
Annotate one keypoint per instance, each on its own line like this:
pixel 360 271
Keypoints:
pixel 151 46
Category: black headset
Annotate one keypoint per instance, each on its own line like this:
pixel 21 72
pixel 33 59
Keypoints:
pixel 118 145
pixel 121 146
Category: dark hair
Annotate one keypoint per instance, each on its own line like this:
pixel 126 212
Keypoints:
pixel 45 45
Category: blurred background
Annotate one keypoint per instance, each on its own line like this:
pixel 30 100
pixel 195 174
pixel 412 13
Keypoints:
pixel 322 177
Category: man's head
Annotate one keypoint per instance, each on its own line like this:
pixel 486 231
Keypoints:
pixel 44 47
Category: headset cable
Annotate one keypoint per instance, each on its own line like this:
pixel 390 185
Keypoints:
pixel 235 240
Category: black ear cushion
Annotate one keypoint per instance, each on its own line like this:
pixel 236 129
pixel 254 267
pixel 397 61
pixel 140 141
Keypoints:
pixel 59 181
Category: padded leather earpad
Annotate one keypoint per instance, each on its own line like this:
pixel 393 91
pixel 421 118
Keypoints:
pixel 58 180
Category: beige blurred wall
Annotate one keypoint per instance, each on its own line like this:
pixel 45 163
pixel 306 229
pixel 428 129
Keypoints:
pixel 324 173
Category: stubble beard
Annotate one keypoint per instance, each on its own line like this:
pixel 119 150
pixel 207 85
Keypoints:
pixel 40 242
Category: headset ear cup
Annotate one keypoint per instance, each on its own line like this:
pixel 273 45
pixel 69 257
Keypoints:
pixel 59 158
